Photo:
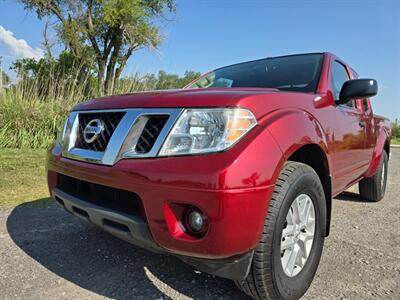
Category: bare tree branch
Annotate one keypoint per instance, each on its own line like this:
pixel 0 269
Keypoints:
pixel 46 41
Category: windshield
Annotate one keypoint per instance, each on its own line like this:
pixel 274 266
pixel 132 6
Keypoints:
pixel 292 73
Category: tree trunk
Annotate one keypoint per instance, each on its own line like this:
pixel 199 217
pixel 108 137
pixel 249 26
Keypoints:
pixel 110 74
pixel 100 77
pixel 122 63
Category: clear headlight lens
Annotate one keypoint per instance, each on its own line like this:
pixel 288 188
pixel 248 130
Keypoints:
pixel 207 130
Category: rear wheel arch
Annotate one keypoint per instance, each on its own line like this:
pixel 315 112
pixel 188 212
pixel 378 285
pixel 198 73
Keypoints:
pixel 382 144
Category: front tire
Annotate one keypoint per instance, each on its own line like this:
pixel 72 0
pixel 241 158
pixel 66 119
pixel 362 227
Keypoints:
pixel 287 257
pixel 373 188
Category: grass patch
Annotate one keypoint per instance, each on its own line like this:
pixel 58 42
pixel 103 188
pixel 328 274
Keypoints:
pixel 29 123
pixel 395 141
pixel 23 177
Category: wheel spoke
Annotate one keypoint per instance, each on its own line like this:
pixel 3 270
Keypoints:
pixel 296 210
pixel 306 212
pixel 310 224
pixel 297 235
pixel 289 230
pixel 290 218
pixel 288 243
pixel 291 263
pixel 304 238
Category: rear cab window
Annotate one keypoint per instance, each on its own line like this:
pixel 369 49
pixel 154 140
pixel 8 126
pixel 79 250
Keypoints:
pixel 363 105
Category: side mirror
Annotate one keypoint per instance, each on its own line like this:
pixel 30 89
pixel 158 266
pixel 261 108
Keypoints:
pixel 357 88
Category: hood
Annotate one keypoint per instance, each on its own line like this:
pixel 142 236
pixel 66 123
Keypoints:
pixel 254 99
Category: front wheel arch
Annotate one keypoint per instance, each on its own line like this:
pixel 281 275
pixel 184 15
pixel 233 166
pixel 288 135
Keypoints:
pixel 314 156
pixel 266 279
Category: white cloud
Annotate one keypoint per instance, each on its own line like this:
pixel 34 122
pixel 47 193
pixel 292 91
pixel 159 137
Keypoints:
pixel 18 47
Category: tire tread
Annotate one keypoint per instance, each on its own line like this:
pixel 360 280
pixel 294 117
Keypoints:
pixel 259 283
pixel 370 187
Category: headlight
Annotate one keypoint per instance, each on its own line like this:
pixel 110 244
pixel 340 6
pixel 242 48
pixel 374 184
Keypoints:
pixel 207 130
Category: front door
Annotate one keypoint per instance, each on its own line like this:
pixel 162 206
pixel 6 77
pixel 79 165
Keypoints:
pixel 349 135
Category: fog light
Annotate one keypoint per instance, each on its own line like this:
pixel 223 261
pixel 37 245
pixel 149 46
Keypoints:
pixel 195 221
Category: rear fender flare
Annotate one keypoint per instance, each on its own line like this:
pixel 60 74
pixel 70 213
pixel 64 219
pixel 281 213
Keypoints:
pixel 382 138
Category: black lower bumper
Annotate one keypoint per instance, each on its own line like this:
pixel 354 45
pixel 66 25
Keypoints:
pixel 129 228
pixel 235 268
pixel 135 231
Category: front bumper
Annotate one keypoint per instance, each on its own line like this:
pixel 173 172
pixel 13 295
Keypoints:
pixel 136 232
pixel 232 188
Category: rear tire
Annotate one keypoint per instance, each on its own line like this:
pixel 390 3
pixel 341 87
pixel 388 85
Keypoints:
pixel 373 188
pixel 268 277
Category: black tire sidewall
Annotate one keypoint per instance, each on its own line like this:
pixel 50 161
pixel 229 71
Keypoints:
pixel 294 287
pixel 384 164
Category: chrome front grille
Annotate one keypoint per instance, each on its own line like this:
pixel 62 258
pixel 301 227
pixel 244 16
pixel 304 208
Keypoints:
pixel 133 133
pixel 150 133
pixel 111 121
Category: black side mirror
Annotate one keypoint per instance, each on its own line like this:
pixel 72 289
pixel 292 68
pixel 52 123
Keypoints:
pixel 357 88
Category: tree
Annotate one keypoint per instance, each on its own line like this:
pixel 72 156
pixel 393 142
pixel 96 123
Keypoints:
pixel 57 74
pixel 173 81
pixel 396 129
pixel 63 66
pixel 114 30
pixel 5 79
pixel 160 81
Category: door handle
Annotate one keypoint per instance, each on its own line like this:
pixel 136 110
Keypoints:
pixel 362 124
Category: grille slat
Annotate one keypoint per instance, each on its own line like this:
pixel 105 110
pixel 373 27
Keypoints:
pixel 111 121
pixel 150 133
pixel 121 201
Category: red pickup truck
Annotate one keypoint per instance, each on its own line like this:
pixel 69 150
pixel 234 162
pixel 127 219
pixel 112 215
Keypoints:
pixel 233 174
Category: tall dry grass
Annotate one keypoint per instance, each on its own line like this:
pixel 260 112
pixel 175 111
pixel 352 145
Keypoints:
pixel 33 110
pixel 29 120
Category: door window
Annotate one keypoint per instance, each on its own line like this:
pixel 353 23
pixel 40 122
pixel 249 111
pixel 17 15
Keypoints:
pixel 339 76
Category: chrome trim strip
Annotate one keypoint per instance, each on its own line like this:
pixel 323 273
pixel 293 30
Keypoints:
pixel 112 154
pixel 173 116
pixel 118 138
pixel 87 155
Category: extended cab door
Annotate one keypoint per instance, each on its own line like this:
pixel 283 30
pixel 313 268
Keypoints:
pixel 349 157
pixel 364 105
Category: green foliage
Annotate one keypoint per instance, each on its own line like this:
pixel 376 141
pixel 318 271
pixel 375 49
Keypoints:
pixel 56 77
pixel 396 129
pixel 161 81
pixel 64 66
pixel 29 123
pixel 32 110
pixel 23 177
pixel 113 29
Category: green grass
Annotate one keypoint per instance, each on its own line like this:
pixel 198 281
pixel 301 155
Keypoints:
pixel 29 123
pixel 395 141
pixel 23 177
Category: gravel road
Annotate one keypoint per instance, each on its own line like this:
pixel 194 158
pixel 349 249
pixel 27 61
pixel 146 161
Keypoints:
pixel 48 254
